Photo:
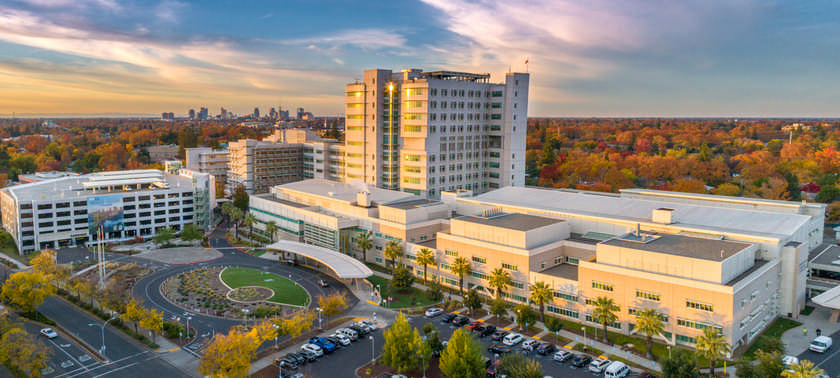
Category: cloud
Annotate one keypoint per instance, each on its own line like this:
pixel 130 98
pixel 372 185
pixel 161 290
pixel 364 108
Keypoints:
pixel 373 39
pixel 168 10
pixel 267 15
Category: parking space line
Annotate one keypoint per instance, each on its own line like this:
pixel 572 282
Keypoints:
pixel 68 354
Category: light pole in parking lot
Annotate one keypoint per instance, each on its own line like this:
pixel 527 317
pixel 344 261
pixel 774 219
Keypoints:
pixel 584 334
pixel 320 310
pixel 423 357
pixel 372 358
pixel 102 327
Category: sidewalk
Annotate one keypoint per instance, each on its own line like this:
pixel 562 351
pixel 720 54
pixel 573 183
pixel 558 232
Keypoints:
pixel 797 341
pixel 14 262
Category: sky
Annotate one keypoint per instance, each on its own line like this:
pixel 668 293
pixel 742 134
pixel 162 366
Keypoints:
pixel 622 58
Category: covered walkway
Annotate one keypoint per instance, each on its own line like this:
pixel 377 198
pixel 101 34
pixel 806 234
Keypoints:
pixel 830 300
pixel 343 266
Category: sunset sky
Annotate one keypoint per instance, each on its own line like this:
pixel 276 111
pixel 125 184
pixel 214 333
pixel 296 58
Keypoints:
pixel 587 58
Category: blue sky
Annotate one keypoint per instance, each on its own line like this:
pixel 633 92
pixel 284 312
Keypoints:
pixel 587 58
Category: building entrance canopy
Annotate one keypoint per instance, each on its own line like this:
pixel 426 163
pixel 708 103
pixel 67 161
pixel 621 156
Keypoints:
pixel 344 266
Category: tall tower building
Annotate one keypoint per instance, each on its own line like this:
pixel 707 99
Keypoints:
pixel 192 113
pixel 257 113
pixel 427 132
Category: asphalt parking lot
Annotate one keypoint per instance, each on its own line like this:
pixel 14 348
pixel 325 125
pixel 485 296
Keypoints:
pixel 345 360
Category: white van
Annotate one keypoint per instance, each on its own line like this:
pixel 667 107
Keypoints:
pixel 821 344
pixel 617 369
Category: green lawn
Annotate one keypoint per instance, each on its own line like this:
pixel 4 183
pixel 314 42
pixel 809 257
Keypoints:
pixel 285 291
pixel 406 298
pixel 257 252
pixel 775 330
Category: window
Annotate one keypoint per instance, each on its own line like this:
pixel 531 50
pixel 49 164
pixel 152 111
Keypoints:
pixel 568 297
pixel 480 275
pixel 647 295
pixel 572 260
pixel 509 266
pixel 699 305
pixel 602 286
pixel 635 312
pixel 479 259
pixel 696 325
pixel 413 91
pixel 685 339
pixel 517 284
pixel 563 312
pixel 451 253
pixel 615 325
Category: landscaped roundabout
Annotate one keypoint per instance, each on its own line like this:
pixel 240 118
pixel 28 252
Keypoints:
pixel 232 292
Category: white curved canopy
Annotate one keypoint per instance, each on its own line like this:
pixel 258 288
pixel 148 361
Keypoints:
pixel 829 299
pixel 344 266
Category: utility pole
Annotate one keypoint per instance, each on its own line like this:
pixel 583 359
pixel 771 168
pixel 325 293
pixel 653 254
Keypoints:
pixel 100 255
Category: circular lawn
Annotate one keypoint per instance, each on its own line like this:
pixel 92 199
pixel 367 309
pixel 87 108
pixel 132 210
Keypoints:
pixel 285 291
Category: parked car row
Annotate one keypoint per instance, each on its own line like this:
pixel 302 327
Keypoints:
pixel 610 369
pixel 317 347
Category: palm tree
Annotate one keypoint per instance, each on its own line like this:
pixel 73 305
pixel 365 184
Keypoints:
pixel 802 369
pixel 364 242
pixel 249 221
pixel 712 344
pixel 235 215
pixel 461 267
pixel 650 323
pixel 540 294
pixel 604 312
pixel 425 257
pixel 226 208
pixel 394 252
pixel 499 280
pixel 270 229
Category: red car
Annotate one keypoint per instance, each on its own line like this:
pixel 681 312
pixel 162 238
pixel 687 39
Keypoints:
pixel 473 324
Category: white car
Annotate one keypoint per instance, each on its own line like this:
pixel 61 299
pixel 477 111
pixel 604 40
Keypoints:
pixel 434 311
pixel 343 339
pixel 348 333
pixel 513 339
pixel 313 349
pixel 563 356
pixel 598 365
pixel 789 360
pixel 530 344
pixel 49 333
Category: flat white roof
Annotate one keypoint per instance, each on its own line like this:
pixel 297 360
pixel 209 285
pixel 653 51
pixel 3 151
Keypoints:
pixel 717 219
pixel 830 298
pixel 344 191
pixel 344 266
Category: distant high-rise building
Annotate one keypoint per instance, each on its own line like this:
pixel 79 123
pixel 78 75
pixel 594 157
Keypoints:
pixel 429 132
pixel 300 113
pixel 224 114
pixel 169 115
pixel 203 113
pixel 282 115
pixel 192 113
pixel 257 113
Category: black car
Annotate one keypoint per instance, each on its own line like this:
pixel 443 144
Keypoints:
pixel 335 341
pixel 499 349
pixel 448 318
pixel 478 330
pixel 360 330
pixel 546 349
pixel 646 375
pixel 310 357
pixel 499 334
pixel 581 360
pixel 461 321
pixel 286 363
pixel 300 359
pixel 487 331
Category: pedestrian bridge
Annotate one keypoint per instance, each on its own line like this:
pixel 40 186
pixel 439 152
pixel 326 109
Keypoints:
pixel 344 266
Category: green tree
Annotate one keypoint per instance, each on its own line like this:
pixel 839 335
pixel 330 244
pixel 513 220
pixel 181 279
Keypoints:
pixel 770 344
pixel 249 221
pixel 394 252
pixel 190 232
pixel 547 155
pixel 518 366
pixel 712 345
pixel 401 277
pixel 434 292
pixel 541 294
pixel 27 290
pixel 163 236
pixel 828 194
pixel 433 343
pixel 745 368
pixel 463 357
pixel 270 229
pixel 364 242
pixel 500 280
pixel 605 313
pixel 525 315
pixel 235 217
pixel 240 198
pixel 498 308
pixel 425 257
pixel 404 348
pixel 649 323
pixel 554 326
pixel 472 300
pixel 461 267
pixel 769 363
pixel 680 365
pixel 802 369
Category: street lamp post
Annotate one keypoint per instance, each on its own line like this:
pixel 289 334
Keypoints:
pixel 188 326
pixel 372 356
pixel 320 310
pixel 245 316
pixel 423 357
pixel 669 351
pixel 102 328
pixel 584 333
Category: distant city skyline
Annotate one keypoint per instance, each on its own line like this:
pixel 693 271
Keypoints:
pixel 638 58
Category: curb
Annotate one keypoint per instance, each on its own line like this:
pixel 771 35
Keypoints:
pixel 87 347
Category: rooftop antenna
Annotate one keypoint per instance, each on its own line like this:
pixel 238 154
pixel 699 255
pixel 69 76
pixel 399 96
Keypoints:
pixel 526 63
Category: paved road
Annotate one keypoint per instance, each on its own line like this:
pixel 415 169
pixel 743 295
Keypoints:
pixel 68 358
pixel 205 326
pixel 829 361
pixel 344 361
pixel 126 357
